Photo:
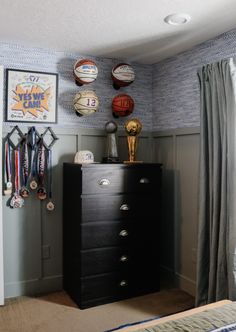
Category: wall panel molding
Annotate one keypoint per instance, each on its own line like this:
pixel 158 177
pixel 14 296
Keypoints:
pixel 178 151
pixel 30 229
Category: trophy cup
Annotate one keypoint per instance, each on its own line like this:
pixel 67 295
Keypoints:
pixel 111 149
pixel 133 128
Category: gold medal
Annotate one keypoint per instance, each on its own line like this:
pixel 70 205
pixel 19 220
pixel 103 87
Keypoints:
pixel 24 192
pixel 41 193
pixel 50 206
pixel 33 185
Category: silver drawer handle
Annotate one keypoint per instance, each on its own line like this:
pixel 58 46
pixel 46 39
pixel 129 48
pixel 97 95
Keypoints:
pixel 125 207
pixel 144 180
pixel 124 233
pixel 104 182
pixel 123 283
pixel 124 258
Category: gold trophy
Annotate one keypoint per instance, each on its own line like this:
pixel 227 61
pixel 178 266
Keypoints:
pixel 133 128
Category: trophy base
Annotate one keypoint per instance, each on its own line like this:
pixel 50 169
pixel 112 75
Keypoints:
pixel 110 160
pixel 132 162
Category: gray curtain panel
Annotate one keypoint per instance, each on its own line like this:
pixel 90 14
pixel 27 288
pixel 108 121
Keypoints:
pixel 216 265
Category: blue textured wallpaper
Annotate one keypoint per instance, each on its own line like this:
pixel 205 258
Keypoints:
pixel 176 101
pixel 166 94
pixel 19 57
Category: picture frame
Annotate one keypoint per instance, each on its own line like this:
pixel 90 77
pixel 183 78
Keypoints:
pixel 31 96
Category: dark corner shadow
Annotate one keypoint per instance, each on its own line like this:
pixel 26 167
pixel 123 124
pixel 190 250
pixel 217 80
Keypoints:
pixel 65 68
pixel 61 298
pixel 135 50
pixel 65 101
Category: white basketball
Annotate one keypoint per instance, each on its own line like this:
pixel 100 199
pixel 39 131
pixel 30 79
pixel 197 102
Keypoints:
pixel 86 102
pixel 85 71
pixel 123 73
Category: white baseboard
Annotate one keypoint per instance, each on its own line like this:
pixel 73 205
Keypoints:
pixel 33 287
pixel 186 284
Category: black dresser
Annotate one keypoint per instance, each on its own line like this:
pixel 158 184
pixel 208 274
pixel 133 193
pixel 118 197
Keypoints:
pixel 111 229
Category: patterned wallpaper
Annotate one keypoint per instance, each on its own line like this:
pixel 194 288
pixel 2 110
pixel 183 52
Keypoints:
pixel 166 94
pixel 176 101
pixel 19 57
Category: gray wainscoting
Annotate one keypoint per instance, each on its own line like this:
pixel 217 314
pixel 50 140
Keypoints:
pixel 178 151
pixel 33 235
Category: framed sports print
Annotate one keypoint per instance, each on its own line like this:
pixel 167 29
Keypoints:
pixel 31 96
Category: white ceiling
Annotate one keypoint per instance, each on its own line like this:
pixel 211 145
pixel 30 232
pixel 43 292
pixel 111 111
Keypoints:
pixel 132 29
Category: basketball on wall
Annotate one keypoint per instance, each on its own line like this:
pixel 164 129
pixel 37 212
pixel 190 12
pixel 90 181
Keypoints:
pixel 122 105
pixel 85 71
pixel 86 103
pixel 122 75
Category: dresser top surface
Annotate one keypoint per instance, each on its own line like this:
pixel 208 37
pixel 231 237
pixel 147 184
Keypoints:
pixel 116 165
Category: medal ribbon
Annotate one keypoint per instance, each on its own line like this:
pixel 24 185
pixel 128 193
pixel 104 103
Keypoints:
pixel 41 163
pixel 50 173
pixel 17 171
pixel 25 164
pixel 7 162
pixel 32 140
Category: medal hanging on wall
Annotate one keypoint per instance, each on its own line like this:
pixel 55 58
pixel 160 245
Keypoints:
pixel 50 204
pixel 41 192
pixel 8 169
pixel 24 191
pixel 17 201
pixel 33 161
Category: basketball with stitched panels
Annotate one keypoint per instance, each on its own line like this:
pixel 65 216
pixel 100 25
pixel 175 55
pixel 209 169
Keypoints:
pixel 85 71
pixel 122 75
pixel 86 103
pixel 122 105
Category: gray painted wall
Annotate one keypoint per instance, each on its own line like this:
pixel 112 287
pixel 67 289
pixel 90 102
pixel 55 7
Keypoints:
pixel 175 105
pixel 178 151
pixel 31 231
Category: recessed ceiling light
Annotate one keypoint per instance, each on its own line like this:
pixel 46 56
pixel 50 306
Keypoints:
pixel 177 19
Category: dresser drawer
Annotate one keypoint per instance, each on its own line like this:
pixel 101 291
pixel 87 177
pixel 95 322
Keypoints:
pixel 97 261
pixel 103 286
pixel 119 285
pixel 118 207
pixel 104 260
pixel 121 180
pixel 106 234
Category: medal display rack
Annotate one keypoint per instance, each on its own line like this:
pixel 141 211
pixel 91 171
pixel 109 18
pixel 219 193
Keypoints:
pixel 22 137
pixel 28 164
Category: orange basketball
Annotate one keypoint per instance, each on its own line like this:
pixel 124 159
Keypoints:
pixel 85 71
pixel 122 105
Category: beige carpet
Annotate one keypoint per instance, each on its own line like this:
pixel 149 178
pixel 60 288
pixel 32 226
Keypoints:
pixel 57 312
